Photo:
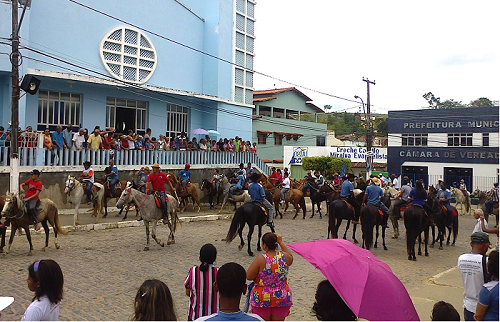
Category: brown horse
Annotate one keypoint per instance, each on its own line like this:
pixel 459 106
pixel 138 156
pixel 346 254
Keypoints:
pixel 192 192
pixel 293 196
pixel 15 212
pixel 107 196
pixel 3 227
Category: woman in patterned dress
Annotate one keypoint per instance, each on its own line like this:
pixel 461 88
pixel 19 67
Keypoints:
pixel 271 297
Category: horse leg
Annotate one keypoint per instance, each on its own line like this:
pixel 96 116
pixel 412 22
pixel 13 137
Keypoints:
pixel 383 235
pixel 433 228
pixel 419 244
pixel 339 222
pixel 158 240
pixel 146 224
pixel 242 243
pixel 249 238
pixel 105 207
pixel 312 215
pixel 76 221
pixel 319 210
pixel 441 234
pixel 258 240
pixel 354 232
pixel 426 240
pixel 28 236
pixel 46 229
pixel 449 235
pixel 376 236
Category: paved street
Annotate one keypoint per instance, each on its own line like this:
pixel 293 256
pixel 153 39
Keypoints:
pixel 104 268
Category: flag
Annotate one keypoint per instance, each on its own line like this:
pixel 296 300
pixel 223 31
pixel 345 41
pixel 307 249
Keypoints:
pixel 342 173
pixel 367 166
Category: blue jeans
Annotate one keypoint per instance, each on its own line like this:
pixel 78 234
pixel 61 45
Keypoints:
pixel 32 209
pixel 233 189
pixel 384 208
pixel 306 187
pixel 489 205
pixel 468 316
pixel 270 210
pixel 449 218
pixel 283 191
pixel 88 188
pixel 112 184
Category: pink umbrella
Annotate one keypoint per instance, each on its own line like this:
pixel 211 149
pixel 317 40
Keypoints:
pixel 365 283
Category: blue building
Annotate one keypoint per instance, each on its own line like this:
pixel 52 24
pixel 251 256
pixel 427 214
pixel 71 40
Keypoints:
pixel 146 70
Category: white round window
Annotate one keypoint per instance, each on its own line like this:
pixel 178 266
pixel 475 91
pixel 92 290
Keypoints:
pixel 128 54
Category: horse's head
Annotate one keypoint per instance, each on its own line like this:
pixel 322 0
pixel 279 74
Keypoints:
pixel 125 196
pixel 69 184
pixel 172 177
pixel 11 200
pixel 476 193
pixel 205 185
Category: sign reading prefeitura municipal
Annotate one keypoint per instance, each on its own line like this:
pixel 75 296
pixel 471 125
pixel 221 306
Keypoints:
pixel 293 154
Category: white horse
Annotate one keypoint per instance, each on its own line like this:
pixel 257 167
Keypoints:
pixel 75 190
pixel 390 191
pixel 150 212
pixel 244 197
pixel 461 199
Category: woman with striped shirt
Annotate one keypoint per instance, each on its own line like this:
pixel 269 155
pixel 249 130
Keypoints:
pixel 203 299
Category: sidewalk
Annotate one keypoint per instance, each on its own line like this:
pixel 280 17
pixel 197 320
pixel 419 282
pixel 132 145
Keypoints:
pixel 445 286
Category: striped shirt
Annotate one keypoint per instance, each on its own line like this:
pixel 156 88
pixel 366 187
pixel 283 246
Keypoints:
pixel 494 194
pixel 203 300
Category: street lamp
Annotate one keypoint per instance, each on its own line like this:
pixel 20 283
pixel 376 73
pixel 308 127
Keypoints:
pixel 368 139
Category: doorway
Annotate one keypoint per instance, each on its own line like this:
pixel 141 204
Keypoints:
pixel 452 177
pixel 416 173
pixel 125 119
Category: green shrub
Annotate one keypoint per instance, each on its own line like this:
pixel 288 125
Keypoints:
pixel 326 165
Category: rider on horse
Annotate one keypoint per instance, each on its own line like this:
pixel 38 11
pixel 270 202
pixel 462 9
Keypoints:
pixel 402 198
pixel 320 181
pixel 216 180
pixel 88 178
pixel 143 177
pixel 157 181
pixel 493 198
pixel 257 193
pixel 463 188
pixel 336 181
pixel 347 192
pixel 274 177
pixel 373 194
pixel 444 196
pixel 185 177
pixel 112 176
pixel 286 186
pixel 238 186
pixel 32 195
pixel 309 181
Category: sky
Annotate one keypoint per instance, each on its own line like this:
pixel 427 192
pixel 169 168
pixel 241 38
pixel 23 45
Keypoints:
pixel 409 48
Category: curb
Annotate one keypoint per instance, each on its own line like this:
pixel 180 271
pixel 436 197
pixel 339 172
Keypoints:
pixel 125 224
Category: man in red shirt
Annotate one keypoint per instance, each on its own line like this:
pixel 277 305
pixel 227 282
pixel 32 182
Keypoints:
pixel 32 195
pixel 156 182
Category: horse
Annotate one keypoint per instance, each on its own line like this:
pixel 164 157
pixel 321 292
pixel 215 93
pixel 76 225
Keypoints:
pixel 15 212
pixel 339 210
pixel 370 217
pixel 293 196
pixel 416 222
pixel 3 227
pixel 252 215
pixel 238 196
pixel 75 191
pixel 392 193
pixel 313 193
pixel 483 197
pixel 439 216
pixel 192 192
pixel 150 212
pixel 329 192
pixel 461 199
pixel 211 191
pixel 118 191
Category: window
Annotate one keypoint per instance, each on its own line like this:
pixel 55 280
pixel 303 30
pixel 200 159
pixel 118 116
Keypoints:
pixel 261 137
pixel 177 119
pixel 414 139
pixel 320 140
pixel 244 27
pixel 459 139
pixel 124 115
pixel 278 113
pixel 292 115
pixel 486 139
pixel 55 108
pixel 265 110
pixel 278 139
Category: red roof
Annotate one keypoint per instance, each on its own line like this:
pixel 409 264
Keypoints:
pixel 262 99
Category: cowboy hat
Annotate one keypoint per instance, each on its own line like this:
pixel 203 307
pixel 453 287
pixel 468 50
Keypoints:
pixel 376 181
pixel 156 165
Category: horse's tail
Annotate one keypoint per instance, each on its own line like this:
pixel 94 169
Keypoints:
pixel 237 222
pixel 331 220
pixel 455 225
pixel 412 224
pixel 367 226
pixel 53 207
pixel 302 203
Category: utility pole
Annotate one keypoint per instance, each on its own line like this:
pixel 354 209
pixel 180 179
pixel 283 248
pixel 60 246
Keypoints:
pixel 369 154
pixel 14 59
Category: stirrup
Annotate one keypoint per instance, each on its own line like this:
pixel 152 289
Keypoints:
pixel 355 222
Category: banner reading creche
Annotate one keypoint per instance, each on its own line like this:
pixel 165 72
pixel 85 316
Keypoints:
pixel 293 154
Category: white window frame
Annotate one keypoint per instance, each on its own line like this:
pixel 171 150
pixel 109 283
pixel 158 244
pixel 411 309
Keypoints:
pixel 140 108
pixel 414 139
pixel 49 101
pixel 177 119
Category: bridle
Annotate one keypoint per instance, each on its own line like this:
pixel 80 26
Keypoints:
pixel 129 193
pixel 20 210
pixel 71 185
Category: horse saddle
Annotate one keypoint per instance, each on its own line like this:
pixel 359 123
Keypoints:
pixel 381 213
pixel 420 206
pixel 406 206
pixel 158 199
pixel 349 206
pixel 261 206
pixel 453 211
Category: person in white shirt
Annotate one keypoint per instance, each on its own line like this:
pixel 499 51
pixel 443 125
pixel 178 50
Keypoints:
pixel 285 187
pixel 477 215
pixel 45 278
pixel 78 139
pixel 395 182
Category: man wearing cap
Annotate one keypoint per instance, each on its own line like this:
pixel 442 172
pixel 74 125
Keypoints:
pixel 395 182
pixel 347 192
pixel 143 178
pixel 257 193
pixel 373 195
pixel 88 178
pixel 444 196
pixel 402 199
pixel 463 188
pixel 156 182
pixel 32 195
pixel 238 186
pixel 185 177
pixel 472 268
pixel 113 176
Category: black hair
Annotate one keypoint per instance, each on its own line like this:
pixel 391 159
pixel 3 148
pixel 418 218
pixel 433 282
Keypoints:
pixel 495 184
pixel 270 240
pixel 443 311
pixel 329 306
pixel 405 181
pixel 208 254
pixel 493 264
pixel 231 278
pixel 420 189
pixel 153 302
pixel 49 274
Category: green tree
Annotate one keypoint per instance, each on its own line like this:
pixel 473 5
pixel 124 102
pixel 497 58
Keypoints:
pixel 481 102
pixel 450 104
pixel 326 165
pixel 431 99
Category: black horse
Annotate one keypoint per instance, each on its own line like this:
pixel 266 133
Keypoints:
pixel 416 222
pixel 211 192
pixel 316 199
pixel 370 218
pixel 439 216
pixel 338 210
pixel 250 214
